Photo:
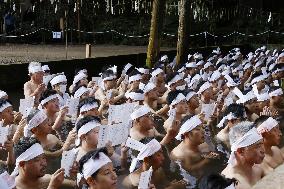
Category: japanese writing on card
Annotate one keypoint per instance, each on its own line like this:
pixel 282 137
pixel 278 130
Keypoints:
pixel 26 105
pixel 145 179
pixel 67 161
pixel 208 110
pixel 72 105
pixel 120 113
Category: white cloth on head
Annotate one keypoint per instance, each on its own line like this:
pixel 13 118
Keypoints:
pixel 58 79
pixel 34 67
pixel 109 78
pixel 88 107
pixel 135 96
pixel 278 92
pixel 79 77
pixel 250 138
pixel 45 68
pixel 4 106
pixel 164 58
pixel 49 98
pixel 37 119
pixel 267 125
pixel 2 94
pixel 80 92
pixel 143 70
pixel 247 66
pixel 200 63
pixel 191 65
pixel 85 129
pixel 174 80
pixel 228 117
pixel 156 72
pixel 258 79
pixel 93 165
pixel 136 77
pixel 148 150
pixel 150 86
pixel 140 112
pixel 190 95
pixel 31 153
pixel 207 65
pixel 188 126
pixel 215 76
pixel 180 97
pixel 204 87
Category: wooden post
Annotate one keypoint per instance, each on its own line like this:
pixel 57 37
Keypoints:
pixel 158 12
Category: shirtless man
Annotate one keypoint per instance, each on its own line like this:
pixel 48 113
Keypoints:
pixel 34 87
pixel 31 166
pixel 269 129
pixel 143 124
pixel 177 102
pixel 192 103
pixel 158 78
pixel 276 99
pixel 151 96
pixel 247 153
pixel 189 151
pixel 152 156
pixel 232 116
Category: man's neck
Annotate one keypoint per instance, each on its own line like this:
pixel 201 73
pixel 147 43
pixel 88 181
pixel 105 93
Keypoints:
pixel 152 104
pixel 87 148
pixel 190 145
pixel 191 110
pixel 244 167
pixel 27 181
pixel 205 100
pixel 50 114
pixel 267 147
pixel 41 137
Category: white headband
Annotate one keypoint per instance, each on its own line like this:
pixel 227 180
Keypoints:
pixel 251 137
pixel 215 76
pixel 204 87
pixel 258 79
pixel 2 94
pixel 45 68
pixel 188 126
pixel 267 125
pixel 35 68
pixel 93 165
pixel 88 107
pixel 156 72
pixel 85 129
pixel 80 92
pixel 163 58
pixel 228 117
pixel 109 78
pixel 135 96
pixel 4 106
pixel 134 78
pixel 277 92
pixel 127 66
pixel 190 65
pixel 38 119
pixel 140 112
pixel 46 100
pixel 200 63
pixel 143 70
pixel 79 77
pixel 58 79
pixel 31 153
pixel 278 70
pixel 148 150
pixel 207 65
pixel 180 97
pixel 190 95
pixel 174 80
pixel 149 87
pixel 247 66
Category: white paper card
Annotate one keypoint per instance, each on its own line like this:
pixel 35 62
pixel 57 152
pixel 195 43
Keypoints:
pixel 145 179
pixel 4 131
pixel 208 110
pixel 116 134
pixel 47 78
pixel 120 113
pixel 67 161
pixel 26 105
pixel 134 144
pixel 72 105
pixel 97 80
pixel 7 181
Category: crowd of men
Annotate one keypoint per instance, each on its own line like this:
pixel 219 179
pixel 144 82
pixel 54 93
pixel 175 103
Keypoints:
pixel 213 122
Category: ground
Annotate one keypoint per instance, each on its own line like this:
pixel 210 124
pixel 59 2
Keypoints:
pixel 15 53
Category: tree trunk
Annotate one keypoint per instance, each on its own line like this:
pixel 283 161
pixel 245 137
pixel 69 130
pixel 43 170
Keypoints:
pixel 158 13
pixel 183 32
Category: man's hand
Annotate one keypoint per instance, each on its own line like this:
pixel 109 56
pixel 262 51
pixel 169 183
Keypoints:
pixel 56 179
pixel 70 140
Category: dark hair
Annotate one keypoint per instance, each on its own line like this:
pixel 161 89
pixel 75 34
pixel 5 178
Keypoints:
pixel 88 100
pixel 24 144
pixel 77 86
pixel 237 109
pixel 92 154
pixel 172 96
pixel 47 93
pixel 274 88
pixel 4 101
pixel 171 76
pixel 107 73
pixel 260 120
pixel 85 120
pixel 256 74
pixel 134 72
pixel 215 181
